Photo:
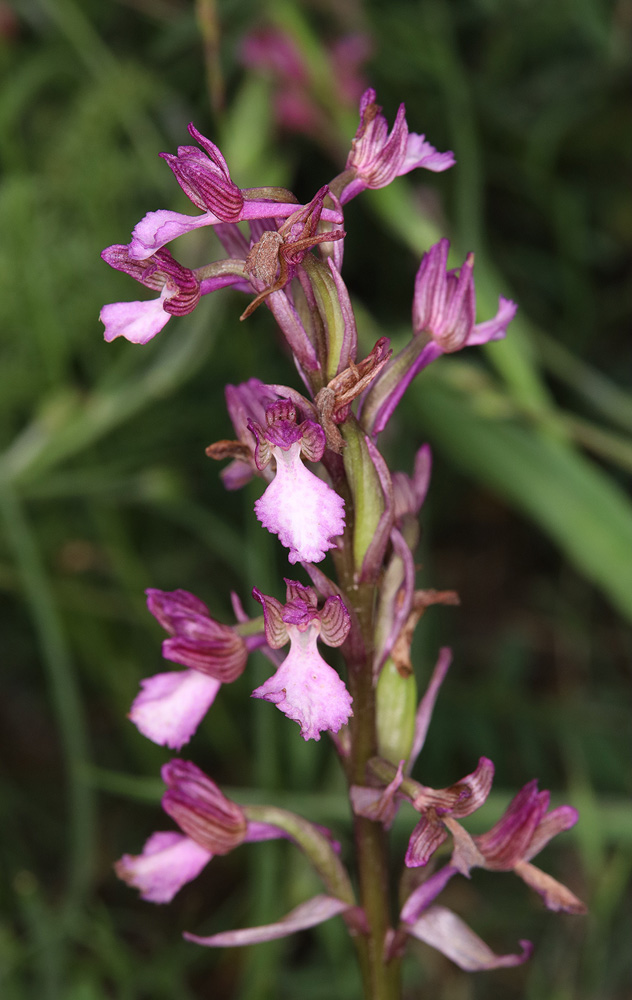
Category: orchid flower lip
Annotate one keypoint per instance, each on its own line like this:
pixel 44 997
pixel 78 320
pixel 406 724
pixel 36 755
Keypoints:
pixel 305 513
pixel 305 687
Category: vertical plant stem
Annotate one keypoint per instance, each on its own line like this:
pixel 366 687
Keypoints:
pixel 381 979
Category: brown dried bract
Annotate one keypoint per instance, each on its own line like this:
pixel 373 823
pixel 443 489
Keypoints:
pixel 277 251
pixel 422 599
pixel 228 449
pixel 334 399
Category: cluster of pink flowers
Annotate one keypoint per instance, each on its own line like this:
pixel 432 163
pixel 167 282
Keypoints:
pixel 289 257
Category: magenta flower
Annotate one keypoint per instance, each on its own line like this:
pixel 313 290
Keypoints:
pixel 444 303
pixel 180 291
pixel 170 706
pixel 297 107
pixel 377 157
pixel 305 687
pixel 297 506
pixel 140 321
pixel 211 825
pixel 274 51
pixel 444 310
pixel 460 799
pixel 522 832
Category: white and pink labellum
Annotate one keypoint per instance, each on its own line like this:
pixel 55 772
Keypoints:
pixel 305 687
pixel 300 508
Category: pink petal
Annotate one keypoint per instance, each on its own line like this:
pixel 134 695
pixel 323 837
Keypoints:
pixel 168 861
pixel 496 328
pixel 443 930
pixel 554 822
pixel 421 898
pixel 307 689
pixel 138 322
pixel 555 895
pixel 300 508
pixel 158 228
pixel 314 911
pixel 170 706
pixel 420 153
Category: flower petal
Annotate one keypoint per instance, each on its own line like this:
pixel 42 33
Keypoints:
pixel 138 322
pixel 555 895
pixel 158 228
pixel 421 897
pixel 496 328
pixel 552 823
pixel 378 804
pixel 420 153
pixel 300 508
pixel 201 809
pixel 425 839
pixel 443 930
pixel 334 622
pixel 427 703
pixel 307 689
pixel 170 706
pixel 314 911
pixel 168 861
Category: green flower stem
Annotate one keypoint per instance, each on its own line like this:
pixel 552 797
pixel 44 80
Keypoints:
pixel 380 979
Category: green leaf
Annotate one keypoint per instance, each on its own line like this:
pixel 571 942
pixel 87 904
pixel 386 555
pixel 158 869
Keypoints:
pixel 581 509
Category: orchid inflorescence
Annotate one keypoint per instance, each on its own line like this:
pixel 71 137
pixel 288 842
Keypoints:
pixel 346 502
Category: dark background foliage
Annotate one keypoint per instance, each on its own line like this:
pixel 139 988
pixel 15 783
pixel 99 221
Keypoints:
pixel 106 489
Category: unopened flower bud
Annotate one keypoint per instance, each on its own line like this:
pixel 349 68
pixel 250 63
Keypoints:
pixel 396 703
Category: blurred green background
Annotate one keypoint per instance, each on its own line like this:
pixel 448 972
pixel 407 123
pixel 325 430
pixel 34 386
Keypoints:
pixel 105 488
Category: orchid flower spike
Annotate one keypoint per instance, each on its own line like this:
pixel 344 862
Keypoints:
pixel 305 687
pixel 297 506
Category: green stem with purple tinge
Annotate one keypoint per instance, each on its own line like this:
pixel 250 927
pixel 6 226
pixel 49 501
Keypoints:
pixel 381 980
pixel 355 479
